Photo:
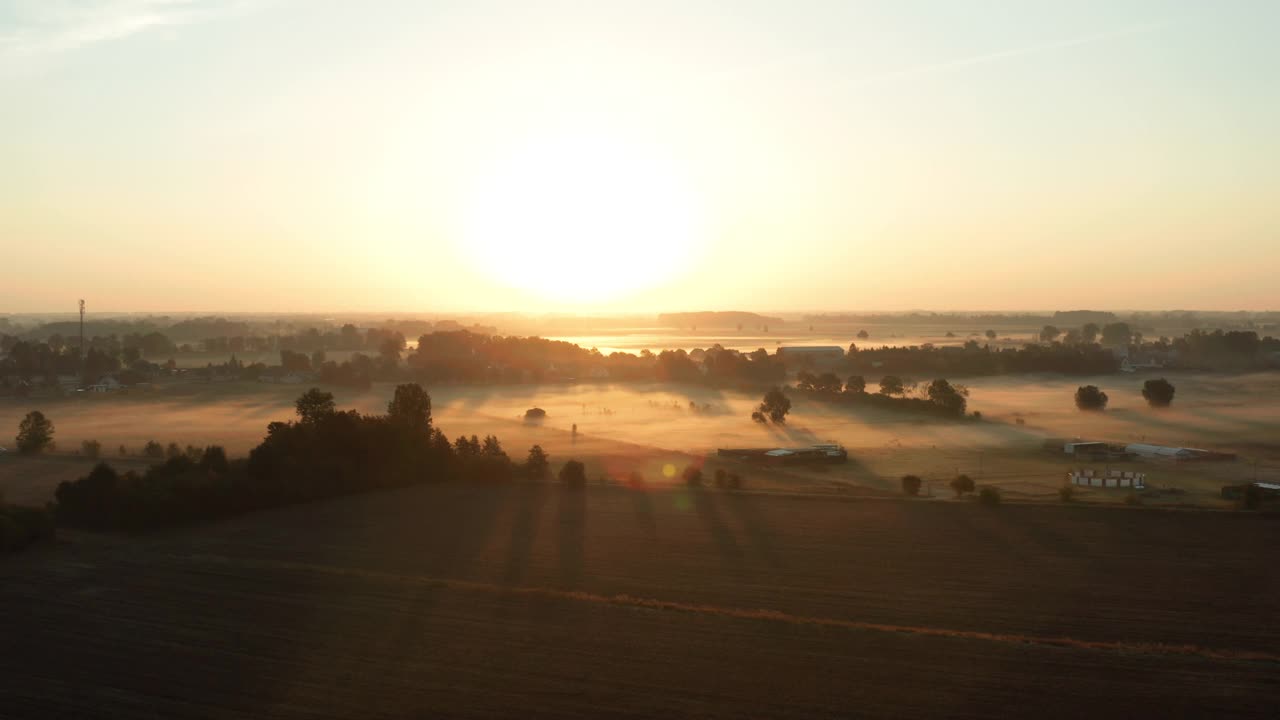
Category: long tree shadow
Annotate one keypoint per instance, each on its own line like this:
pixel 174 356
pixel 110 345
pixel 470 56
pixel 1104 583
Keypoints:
pixel 571 526
pixel 524 531
pixel 704 506
pixel 642 504
pixel 744 507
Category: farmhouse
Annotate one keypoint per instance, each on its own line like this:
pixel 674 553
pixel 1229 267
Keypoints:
pixel 106 384
pixel 816 354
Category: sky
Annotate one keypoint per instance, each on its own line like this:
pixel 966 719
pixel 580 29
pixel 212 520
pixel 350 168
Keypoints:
pixel 595 156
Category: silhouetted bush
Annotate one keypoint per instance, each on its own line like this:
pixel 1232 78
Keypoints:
pixel 1067 493
pixel 323 454
pixel 911 485
pixel 989 495
pixel 574 475
pixel 1089 397
pixel 1158 393
pixel 962 484
pixel 692 476
pixel 91 449
pixel 153 450
pixel 22 526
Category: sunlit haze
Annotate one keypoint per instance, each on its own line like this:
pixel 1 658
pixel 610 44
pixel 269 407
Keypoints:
pixel 587 156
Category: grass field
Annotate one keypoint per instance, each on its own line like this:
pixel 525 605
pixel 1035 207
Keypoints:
pixel 647 427
pixel 481 601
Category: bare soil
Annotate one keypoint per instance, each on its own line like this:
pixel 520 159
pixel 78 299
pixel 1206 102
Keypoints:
pixel 493 601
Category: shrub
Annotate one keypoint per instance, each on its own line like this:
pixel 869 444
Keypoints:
pixel 574 475
pixel 1159 393
pixel 91 449
pixel 22 526
pixel 989 495
pixel 692 476
pixel 911 485
pixel 153 450
pixel 1090 398
pixel 1067 493
pixel 962 484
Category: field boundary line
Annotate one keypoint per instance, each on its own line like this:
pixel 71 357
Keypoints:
pixel 776 616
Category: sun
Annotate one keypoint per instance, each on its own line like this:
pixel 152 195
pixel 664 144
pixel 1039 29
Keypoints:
pixel 581 218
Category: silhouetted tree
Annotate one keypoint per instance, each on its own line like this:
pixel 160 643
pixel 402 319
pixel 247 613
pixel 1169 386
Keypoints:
pixel 91 449
pixel 1049 333
pixel 962 484
pixel 775 405
pixel 1089 397
pixel 214 459
pixel 314 405
pixel 951 397
pixel 828 382
pixel 153 450
pixel 35 433
pixel 991 334
pixel 1159 393
pixel 805 380
pixel 989 496
pixel 1117 334
pixel 855 384
pixel 863 335
pixel 692 476
pixel 1090 332
pixel 891 385
pixel 537 464
pixel 574 475
pixel 911 485
pixel 411 407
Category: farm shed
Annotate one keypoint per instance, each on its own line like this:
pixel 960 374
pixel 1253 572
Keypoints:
pixel 1071 448
pixel 1270 491
pixel 1108 479
pixel 1158 451
pixel 1179 454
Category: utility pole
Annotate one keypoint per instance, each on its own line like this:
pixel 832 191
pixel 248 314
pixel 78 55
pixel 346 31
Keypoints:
pixel 82 358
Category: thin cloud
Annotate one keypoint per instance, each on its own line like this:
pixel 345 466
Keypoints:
pixel 52 26
pixel 1008 54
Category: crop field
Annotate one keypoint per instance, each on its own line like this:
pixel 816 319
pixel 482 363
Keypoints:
pixel 480 601
pixel 622 427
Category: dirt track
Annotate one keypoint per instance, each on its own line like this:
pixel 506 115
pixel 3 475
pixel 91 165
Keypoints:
pixel 493 601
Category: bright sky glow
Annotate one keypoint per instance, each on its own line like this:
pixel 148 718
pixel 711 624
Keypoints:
pixel 170 155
